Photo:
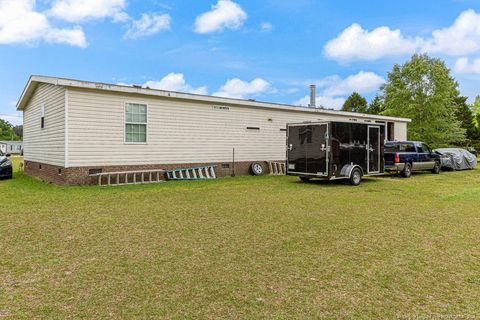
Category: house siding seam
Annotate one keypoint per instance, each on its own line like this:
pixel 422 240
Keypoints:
pixel 66 128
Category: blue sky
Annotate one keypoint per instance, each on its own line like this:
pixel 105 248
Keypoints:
pixel 267 50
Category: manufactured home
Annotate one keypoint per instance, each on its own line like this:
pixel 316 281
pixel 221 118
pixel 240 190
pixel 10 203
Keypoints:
pixel 11 147
pixel 75 129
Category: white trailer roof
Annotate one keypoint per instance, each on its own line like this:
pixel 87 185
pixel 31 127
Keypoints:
pixel 35 80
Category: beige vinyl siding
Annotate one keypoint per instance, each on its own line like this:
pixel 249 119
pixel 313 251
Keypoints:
pixel 178 131
pixel 400 131
pixel 45 145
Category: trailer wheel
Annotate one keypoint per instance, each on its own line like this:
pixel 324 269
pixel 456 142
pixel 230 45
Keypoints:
pixel 256 169
pixel 407 171
pixel 355 177
pixel 305 179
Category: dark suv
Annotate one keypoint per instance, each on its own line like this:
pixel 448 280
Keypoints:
pixel 5 166
pixel 408 156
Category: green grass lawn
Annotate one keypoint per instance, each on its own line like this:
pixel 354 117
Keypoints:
pixel 267 247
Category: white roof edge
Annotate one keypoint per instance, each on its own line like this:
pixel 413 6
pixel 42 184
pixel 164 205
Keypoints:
pixel 22 96
pixel 35 79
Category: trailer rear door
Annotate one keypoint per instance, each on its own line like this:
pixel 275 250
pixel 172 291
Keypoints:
pixel 374 147
pixel 307 149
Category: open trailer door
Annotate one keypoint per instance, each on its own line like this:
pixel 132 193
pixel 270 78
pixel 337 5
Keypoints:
pixel 374 150
pixel 307 149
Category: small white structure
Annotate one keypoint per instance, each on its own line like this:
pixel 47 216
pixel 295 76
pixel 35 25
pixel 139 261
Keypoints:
pixel 74 129
pixel 11 147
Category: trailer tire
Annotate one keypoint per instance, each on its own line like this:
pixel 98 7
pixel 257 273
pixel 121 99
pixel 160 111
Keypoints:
pixel 355 177
pixel 305 179
pixel 407 171
pixel 256 169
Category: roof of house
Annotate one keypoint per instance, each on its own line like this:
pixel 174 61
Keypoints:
pixel 35 80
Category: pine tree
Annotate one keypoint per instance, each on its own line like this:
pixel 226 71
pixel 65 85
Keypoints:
pixel 376 106
pixel 355 103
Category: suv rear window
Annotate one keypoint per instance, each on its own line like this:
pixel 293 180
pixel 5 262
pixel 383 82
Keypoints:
pixel 399 147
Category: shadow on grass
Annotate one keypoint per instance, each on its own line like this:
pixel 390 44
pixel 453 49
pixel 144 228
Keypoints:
pixel 338 182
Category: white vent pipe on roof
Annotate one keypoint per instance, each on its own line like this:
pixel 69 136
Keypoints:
pixel 313 96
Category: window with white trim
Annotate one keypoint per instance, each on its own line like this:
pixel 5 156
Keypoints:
pixel 135 123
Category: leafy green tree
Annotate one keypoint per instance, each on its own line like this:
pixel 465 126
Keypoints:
pixel 464 114
pixel 18 131
pixel 423 90
pixel 6 130
pixel 355 103
pixel 476 112
pixel 376 106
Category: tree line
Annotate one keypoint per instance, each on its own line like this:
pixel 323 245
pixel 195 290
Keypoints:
pixel 10 132
pixel 423 90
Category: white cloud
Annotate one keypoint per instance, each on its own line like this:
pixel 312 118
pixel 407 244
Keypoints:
pixel 463 65
pixel 462 38
pixel 14 118
pixel 292 90
pixel 83 10
pixel 362 82
pixel 73 37
pixel 239 89
pixel 175 82
pixel 356 43
pixel 266 26
pixel 148 25
pixel 20 23
pixel 226 14
pixel 334 89
pixel 322 101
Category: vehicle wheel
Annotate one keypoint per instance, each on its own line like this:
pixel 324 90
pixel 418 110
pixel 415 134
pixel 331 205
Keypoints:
pixel 436 169
pixel 356 177
pixel 305 179
pixel 407 171
pixel 256 169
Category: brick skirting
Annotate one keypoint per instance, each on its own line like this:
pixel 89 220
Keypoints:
pixel 46 172
pixel 81 175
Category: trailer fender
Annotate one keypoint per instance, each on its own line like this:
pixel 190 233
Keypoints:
pixel 348 168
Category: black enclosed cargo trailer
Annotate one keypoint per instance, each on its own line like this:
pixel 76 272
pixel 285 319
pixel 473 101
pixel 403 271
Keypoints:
pixel 335 150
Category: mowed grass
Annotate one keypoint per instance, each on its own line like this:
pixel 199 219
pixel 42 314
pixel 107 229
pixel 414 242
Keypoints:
pixel 246 247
